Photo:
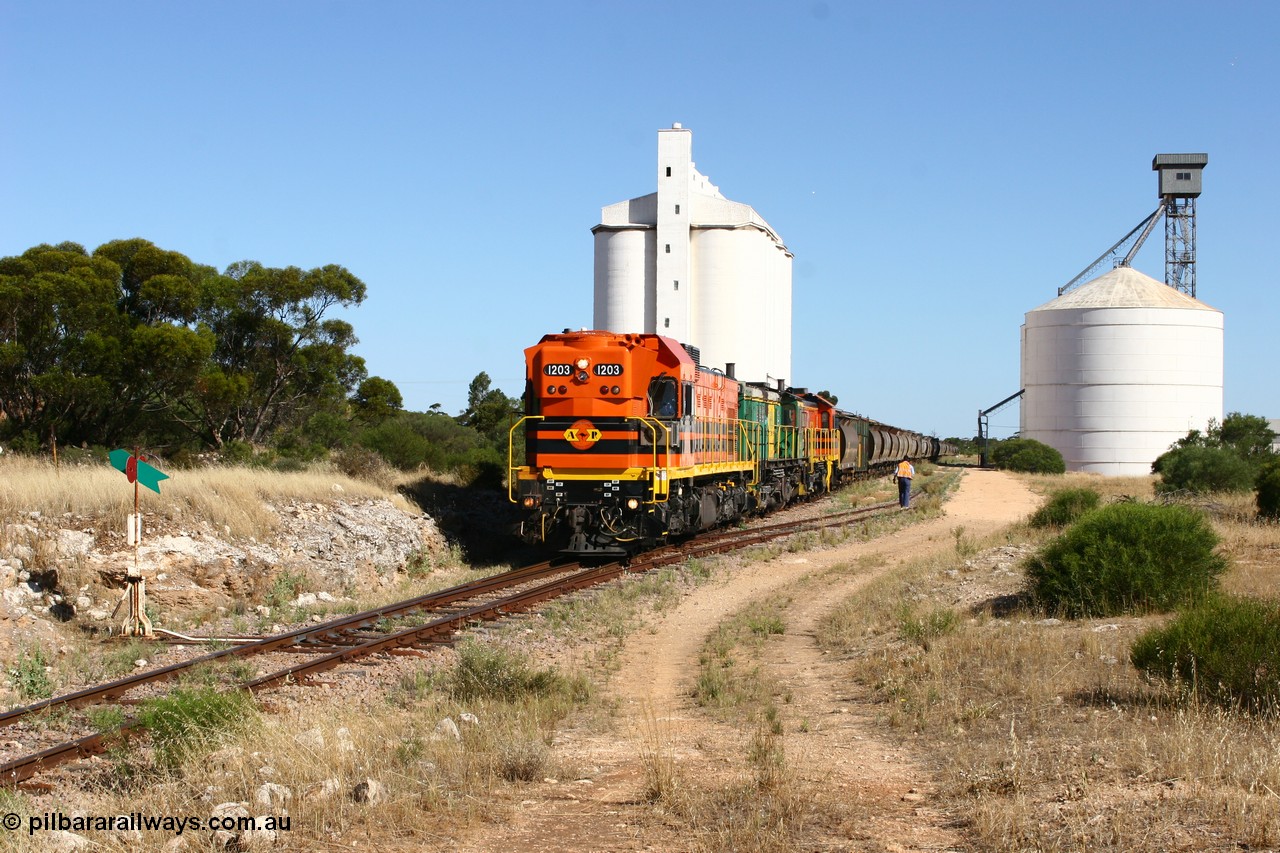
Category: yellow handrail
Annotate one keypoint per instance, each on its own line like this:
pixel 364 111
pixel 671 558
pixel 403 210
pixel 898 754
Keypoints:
pixel 664 480
pixel 511 452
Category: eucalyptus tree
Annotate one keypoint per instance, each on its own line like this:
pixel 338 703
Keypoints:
pixel 138 343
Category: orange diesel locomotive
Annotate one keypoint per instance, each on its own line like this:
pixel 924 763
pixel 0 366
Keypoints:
pixel 628 441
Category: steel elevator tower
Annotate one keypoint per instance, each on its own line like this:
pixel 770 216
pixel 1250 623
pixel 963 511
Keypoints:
pixel 1179 189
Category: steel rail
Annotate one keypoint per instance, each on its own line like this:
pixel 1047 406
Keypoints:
pixel 442 630
pixel 439 630
pixel 289 639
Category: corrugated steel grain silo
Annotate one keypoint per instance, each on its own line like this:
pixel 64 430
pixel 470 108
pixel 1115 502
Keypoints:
pixel 1118 369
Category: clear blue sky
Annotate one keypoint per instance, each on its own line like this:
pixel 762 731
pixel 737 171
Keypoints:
pixel 937 167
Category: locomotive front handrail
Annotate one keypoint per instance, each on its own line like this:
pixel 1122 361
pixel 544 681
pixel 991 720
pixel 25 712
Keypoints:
pixel 511 451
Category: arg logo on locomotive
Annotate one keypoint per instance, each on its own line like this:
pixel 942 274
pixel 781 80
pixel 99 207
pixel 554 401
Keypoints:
pixel 582 435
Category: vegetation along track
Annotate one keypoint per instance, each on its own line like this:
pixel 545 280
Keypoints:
pixel 349 637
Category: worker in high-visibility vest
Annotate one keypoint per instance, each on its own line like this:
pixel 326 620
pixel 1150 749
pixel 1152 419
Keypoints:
pixel 903 475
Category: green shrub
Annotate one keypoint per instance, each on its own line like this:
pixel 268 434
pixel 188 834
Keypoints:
pixel 482 467
pixel 488 672
pixel 1064 507
pixel 1127 558
pixel 1029 455
pixel 30 675
pixel 363 464
pixel 397 442
pixel 189 722
pixel 924 629
pixel 1267 485
pixel 1202 469
pixel 1224 649
pixel 285 587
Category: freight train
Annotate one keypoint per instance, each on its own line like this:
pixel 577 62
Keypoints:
pixel 629 441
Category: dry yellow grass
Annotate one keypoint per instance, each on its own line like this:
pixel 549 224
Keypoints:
pixel 1045 737
pixel 429 780
pixel 229 498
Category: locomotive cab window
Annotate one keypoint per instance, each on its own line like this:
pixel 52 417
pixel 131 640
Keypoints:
pixel 663 397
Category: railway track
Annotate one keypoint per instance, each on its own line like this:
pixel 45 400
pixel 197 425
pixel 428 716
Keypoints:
pixel 329 644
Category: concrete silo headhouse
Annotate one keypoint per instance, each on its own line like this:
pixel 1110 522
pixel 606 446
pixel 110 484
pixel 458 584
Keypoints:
pixel 687 263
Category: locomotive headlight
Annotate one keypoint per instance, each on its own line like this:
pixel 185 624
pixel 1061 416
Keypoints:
pixel 633 503
pixel 530 502
pixel 581 364
pixel 615 389
pixel 582 376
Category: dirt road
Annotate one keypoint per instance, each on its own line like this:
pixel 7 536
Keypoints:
pixel 832 745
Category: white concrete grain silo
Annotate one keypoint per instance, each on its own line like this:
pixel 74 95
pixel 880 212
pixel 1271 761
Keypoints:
pixel 1117 370
pixel 688 263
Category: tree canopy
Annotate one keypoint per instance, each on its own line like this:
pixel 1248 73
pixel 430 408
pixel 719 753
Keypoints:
pixel 136 344
pixel 1227 457
pixel 132 344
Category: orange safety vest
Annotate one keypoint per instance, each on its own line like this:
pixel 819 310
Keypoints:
pixel 905 471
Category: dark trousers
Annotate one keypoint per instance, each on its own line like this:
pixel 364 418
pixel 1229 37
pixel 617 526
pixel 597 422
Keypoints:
pixel 904 491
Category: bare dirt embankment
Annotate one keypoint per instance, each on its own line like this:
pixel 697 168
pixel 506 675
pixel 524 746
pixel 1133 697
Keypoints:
pixel 832 744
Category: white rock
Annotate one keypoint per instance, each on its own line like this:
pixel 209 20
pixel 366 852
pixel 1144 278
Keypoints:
pixel 306 599
pixel 447 729
pixel 272 796
pixel 343 736
pixel 312 739
pixel 324 596
pixel 132 838
pixel 61 841
pixel 368 791
pixel 72 542
pixel 469 719
pixel 230 809
pixel 326 790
